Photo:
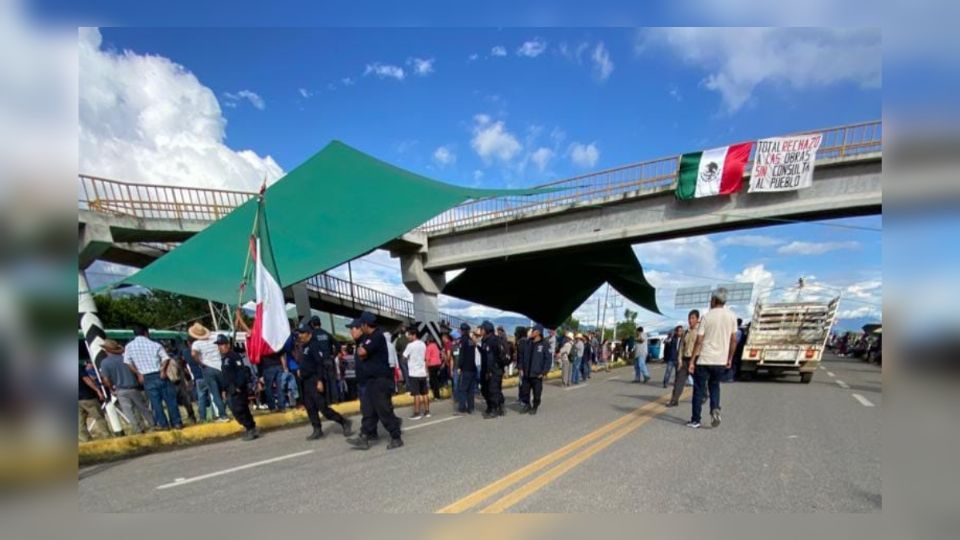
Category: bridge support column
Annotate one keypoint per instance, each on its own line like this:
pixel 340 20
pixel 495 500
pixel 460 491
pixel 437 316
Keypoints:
pixel 424 285
pixel 301 297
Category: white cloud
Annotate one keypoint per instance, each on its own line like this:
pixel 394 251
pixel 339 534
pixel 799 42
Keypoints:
pixel 602 64
pixel 145 118
pixel 499 50
pixel 477 175
pixel 533 48
pixel 473 57
pixel 541 157
pixel 421 66
pixel 384 71
pixel 763 285
pixel 491 140
pixel 443 156
pixel 347 81
pixel 737 60
pixel 816 248
pixel 751 240
pixel 232 99
pixel 675 93
pixel 584 155
pixel 305 93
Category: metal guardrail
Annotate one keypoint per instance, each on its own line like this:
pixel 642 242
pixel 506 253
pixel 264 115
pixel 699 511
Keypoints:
pixel 156 201
pixel 659 175
pixel 656 176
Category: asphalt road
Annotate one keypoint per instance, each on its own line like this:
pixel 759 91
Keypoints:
pixel 606 446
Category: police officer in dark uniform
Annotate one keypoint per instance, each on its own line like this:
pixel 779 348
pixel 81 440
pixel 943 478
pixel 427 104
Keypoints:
pixel 314 370
pixel 328 345
pixel 534 363
pixel 467 369
pixel 376 403
pixel 492 362
pixel 237 377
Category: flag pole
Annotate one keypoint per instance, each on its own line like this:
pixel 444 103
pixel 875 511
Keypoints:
pixel 246 262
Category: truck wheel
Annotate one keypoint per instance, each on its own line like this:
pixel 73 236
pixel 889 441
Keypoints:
pixel 805 378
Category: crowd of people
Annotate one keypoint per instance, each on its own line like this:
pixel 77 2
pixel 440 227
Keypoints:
pixel 151 383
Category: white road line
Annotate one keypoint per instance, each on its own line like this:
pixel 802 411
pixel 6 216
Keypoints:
pixel 575 386
pixel 430 423
pixel 863 401
pixel 184 481
pixel 830 373
pixel 615 377
pixel 842 384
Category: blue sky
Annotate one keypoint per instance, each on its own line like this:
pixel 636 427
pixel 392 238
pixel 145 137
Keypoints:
pixel 488 107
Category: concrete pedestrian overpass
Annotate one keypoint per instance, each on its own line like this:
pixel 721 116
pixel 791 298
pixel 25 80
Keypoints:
pixel 134 223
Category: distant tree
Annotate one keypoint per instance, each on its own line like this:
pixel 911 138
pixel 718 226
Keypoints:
pixel 157 309
pixel 571 324
pixel 628 326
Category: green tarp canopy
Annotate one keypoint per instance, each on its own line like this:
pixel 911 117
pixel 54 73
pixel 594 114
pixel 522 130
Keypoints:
pixel 548 288
pixel 336 206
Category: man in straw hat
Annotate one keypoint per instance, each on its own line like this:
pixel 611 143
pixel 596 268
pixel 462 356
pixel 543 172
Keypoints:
pixel 212 384
pixel 122 383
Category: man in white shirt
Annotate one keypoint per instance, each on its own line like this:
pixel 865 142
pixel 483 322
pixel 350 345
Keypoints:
pixel 416 355
pixel 712 355
pixel 640 370
pixel 149 360
pixel 206 352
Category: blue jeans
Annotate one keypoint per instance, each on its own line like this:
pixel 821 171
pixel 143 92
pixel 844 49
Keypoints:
pixel 271 376
pixel 288 383
pixel 705 377
pixel 162 391
pixel 586 369
pixel 575 376
pixel 641 373
pixel 670 369
pixel 213 383
pixel 466 386
pixel 200 393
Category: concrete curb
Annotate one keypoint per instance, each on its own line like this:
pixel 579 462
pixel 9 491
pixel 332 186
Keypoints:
pixel 133 445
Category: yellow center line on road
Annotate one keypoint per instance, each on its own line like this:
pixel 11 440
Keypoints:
pixel 484 493
pixel 566 466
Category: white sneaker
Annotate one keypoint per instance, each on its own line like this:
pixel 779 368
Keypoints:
pixel 694 425
pixel 716 418
pixel 427 415
pixel 222 420
pixel 416 417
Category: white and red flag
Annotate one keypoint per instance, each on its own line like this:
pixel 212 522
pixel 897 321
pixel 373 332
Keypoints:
pixel 270 326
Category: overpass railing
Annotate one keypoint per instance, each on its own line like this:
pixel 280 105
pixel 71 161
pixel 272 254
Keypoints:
pixel 643 178
pixel 363 297
pixel 156 201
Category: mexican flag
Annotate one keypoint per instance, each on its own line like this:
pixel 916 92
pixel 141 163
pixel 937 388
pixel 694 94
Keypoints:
pixel 712 172
pixel 270 327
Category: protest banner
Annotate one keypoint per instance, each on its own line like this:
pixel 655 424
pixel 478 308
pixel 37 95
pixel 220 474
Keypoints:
pixel 784 163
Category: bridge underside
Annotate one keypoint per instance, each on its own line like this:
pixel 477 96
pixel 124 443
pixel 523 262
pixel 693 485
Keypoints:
pixel 847 189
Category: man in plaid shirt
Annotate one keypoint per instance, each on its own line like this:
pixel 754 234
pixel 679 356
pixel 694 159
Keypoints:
pixel 149 361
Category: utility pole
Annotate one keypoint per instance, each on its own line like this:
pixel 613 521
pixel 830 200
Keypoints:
pixel 799 288
pixel 603 319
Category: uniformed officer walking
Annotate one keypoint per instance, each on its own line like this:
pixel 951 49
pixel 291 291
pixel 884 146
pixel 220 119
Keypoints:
pixel 237 376
pixel 376 376
pixel 315 369
pixel 328 345
pixel 534 362
pixel 492 362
